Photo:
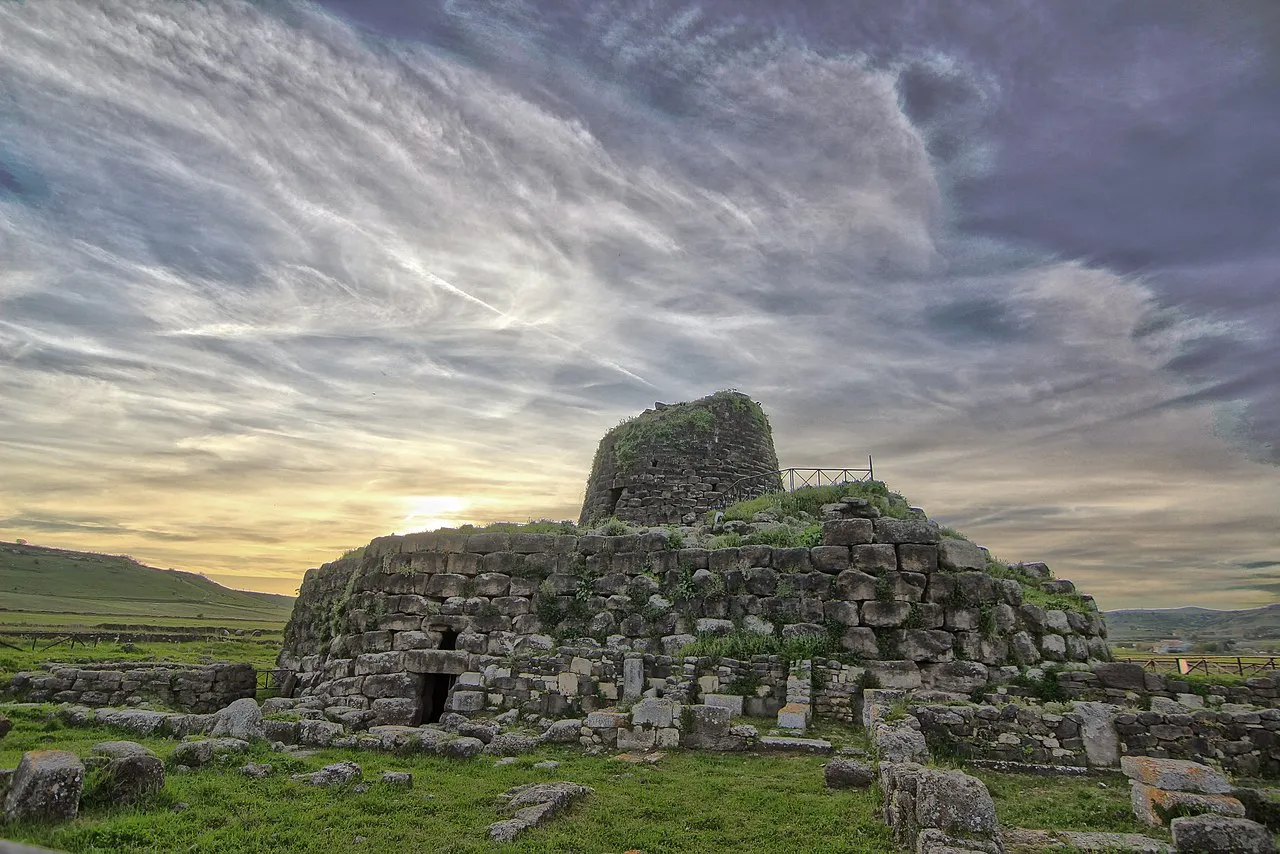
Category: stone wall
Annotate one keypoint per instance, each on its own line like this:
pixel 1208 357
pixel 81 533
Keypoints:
pixel 1242 741
pixel 192 688
pixel 668 464
pixel 1125 683
pixel 882 589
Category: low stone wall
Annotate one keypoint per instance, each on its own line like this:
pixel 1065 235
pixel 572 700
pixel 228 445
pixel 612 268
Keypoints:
pixel 1009 733
pixel 192 688
pixel 1242 741
pixel 1122 682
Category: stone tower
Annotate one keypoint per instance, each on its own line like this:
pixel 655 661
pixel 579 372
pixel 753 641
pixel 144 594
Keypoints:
pixel 666 464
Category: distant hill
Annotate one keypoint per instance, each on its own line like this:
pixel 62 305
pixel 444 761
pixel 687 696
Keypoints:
pixel 37 578
pixel 1200 624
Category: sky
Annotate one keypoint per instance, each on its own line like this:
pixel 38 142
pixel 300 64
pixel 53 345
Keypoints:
pixel 280 277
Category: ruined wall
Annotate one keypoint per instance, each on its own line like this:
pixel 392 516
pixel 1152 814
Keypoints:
pixel 667 464
pixel 190 688
pixel 424 620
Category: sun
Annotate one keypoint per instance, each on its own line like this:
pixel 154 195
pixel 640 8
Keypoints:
pixel 427 512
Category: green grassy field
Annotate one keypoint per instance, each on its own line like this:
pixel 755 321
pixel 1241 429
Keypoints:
pixel 260 652
pixel 57 581
pixel 688 802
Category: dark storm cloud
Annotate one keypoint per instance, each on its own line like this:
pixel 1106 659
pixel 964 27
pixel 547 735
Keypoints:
pixel 320 282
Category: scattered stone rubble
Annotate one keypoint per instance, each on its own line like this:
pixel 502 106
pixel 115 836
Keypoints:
pixel 533 804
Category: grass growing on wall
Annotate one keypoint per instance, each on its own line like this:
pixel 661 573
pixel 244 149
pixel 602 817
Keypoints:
pixel 1033 593
pixel 651 431
pixel 810 499
pixel 742 646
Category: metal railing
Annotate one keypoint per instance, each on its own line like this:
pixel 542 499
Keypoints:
pixel 791 479
pixel 1240 665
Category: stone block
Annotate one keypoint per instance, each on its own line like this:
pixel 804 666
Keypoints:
pixel 131 779
pixel 393 685
pixel 855 586
pixel 732 702
pixel 1120 675
pixel 442 661
pixel 886 614
pixel 841 773
pixel 903 675
pixel 379 662
pixel 959 555
pixel 1216 834
pixel 794 716
pixel 45 786
pixel 954 802
pixel 925 644
pixel 845 613
pixel 636 739
pixel 446 584
pixel 468 701
pixel 653 712
pixel 847 532
pixel 917 558
pixel 873 559
pixel 632 678
pixel 487 543
pixel 860 640
pixel 832 560
pixel 905 531
pixel 607 720
pixel 957 677
pixel 1157 806
pixel 1177 775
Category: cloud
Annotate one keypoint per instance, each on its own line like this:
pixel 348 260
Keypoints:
pixel 291 278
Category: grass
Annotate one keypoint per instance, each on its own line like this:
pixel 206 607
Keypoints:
pixel 809 500
pixel 1033 594
pixel 743 645
pixel 688 802
pixel 42 620
pixel 1093 803
pixel 39 579
pixel 260 652
pixel 650 432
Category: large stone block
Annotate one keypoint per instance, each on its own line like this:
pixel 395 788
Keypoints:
pixel 447 661
pixel 855 586
pixel 873 559
pixel 955 802
pixel 830 559
pixel 393 685
pixel 917 558
pixel 960 555
pixel 1157 806
pixel 45 786
pixel 242 719
pixel 380 662
pixel 958 677
pixel 1121 675
pixel 1216 834
pixel 885 614
pixel 446 584
pixel 1176 775
pixel 860 640
pixel 905 531
pixel 653 712
pixel 847 532
pixel 902 675
pixel 131 779
pixel 925 644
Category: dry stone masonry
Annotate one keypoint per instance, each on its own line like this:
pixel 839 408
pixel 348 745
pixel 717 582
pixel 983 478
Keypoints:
pixel 669 464
pixel 193 688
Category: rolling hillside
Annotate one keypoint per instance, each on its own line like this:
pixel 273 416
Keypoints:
pixel 39 579
pixel 1195 623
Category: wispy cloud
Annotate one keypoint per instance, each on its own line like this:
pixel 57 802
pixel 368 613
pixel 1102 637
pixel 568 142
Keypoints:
pixel 276 283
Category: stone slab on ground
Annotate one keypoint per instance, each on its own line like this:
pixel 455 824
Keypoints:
pixel 1020 841
pixel 1030 768
pixel 794 716
pixel 131 779
pixel 242 719
pixel 1175 775
pixel 46 785
pixel 843 773
pixel 792 744
pixel 732 702
pixel 533 804
pixel 1215 834
pixel 197 753
pixel 1155 806
pixel 337 774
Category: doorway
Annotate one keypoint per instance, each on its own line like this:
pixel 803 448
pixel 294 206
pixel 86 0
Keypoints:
pixel 435 695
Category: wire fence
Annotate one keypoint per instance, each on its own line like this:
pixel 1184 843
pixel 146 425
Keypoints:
pixel 791 479
pixel 1237 665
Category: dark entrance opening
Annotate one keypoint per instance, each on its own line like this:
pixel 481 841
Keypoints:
pixel 615 495
pixel 435 695
pixel 448 639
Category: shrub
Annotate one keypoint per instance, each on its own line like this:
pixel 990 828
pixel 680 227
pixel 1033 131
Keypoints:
pixel 614 527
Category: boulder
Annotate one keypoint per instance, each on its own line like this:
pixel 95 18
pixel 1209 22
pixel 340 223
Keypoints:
pixel 1215 834
pixel 1157 806
pixel 130 779
pixel 1098 729
pixel 337 774
pixel 566 731
pixel 954 802
pixel 400 779
pixel 900 744
pixel 511 744
pixel 960 555
pixel 313 733
pixel 1120 675
pixel 463 747
pixel 1175 775
pixel 257 770
pixel 197 753
pixel 848 774
pixel 242 719
pixel 957 677
pixel 45 786
pixel 108 750
pixel 5 726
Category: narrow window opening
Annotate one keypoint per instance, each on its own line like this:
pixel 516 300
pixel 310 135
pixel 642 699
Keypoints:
pixel 615 495
pixel 448 639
